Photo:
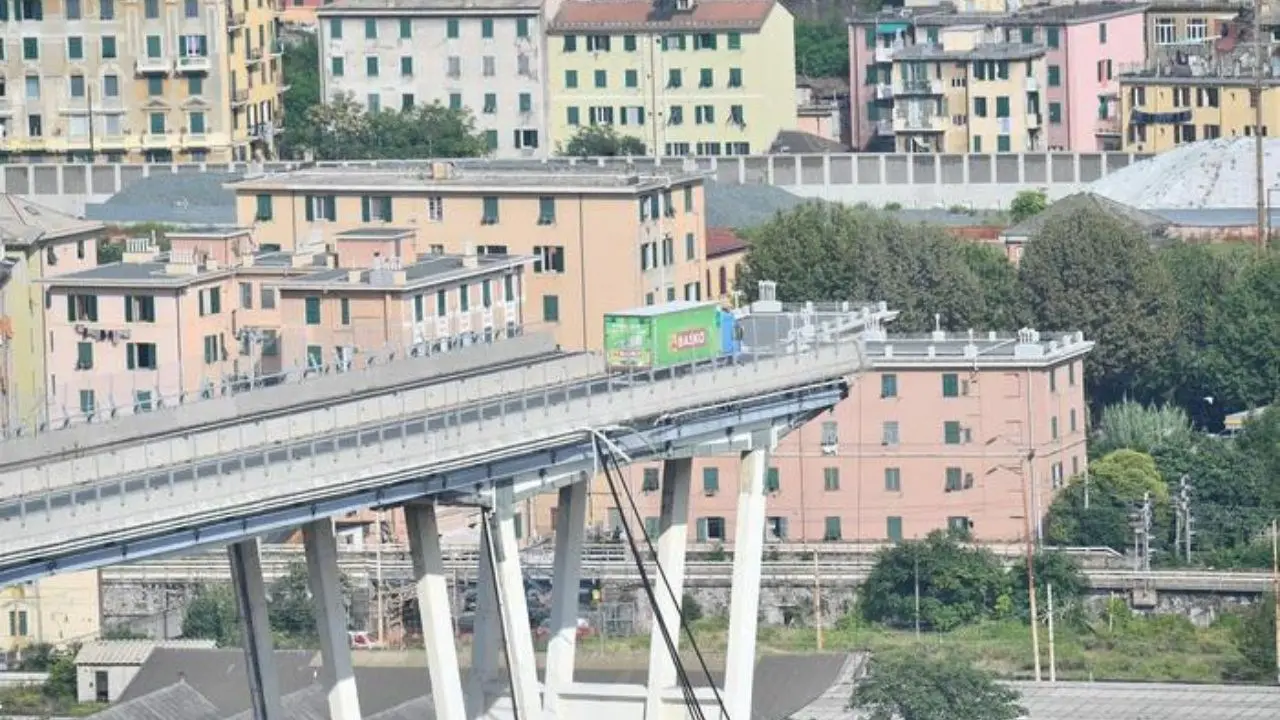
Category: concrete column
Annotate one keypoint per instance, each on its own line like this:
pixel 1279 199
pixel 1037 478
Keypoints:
pixel 255 630
pixel 514 609
pixel 571 519
pixel 433 608
pixel 744 596
pixel 324 579
pixel 487 634
pixel 673 539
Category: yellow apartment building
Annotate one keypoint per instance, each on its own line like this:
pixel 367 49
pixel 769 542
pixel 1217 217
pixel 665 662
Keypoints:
pixel 962 95
pixel 1160 112
pixel 1173 25
pixel 36 242
pixel 58 610
pixel 601 239
pixel 693 77
pixel 139 80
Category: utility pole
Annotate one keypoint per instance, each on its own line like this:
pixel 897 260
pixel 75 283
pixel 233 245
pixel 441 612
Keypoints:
pixel 1275 588
pixel 1053 657
pixel 817 600
pixel 1140 521
pixel 1183 541
pixel 1258 65
pixel 917 576
pixel 1027 479
pixel 382 618
pixel 1086 486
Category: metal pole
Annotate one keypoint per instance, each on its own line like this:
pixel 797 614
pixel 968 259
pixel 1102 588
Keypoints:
pixel 377 559
pixel 917 581
pixel 1031 567
pixel 1275 589
pixel 1053 658
pixel 1258 64
pixel 817 601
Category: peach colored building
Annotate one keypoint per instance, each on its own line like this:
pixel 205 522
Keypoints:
pixel 602 238
pixel 937 434
pixel 725 253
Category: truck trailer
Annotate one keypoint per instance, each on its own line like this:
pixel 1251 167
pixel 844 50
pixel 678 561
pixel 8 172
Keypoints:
pixel 658 336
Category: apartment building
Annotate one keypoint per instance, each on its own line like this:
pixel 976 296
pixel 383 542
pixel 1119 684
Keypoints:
pixel 601 238
pixel 966 95
pixel 949 430
pixel 1197 82
pixel 36 242
pixel 139 81
pixel 486 57
pixel 58 610
pixel 1085 48
pixel 693 77
pixel 386 296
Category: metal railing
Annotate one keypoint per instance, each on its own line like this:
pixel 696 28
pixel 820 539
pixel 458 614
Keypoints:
pixel 136 391
pixel 369 450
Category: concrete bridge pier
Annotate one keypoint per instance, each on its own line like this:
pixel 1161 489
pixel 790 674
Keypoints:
pixel 324 577
pixel 570 532
pixel 744 595
pixel 255 629
pixel 513 607
pixel 483 682
pixel 433 605
pixel 673 539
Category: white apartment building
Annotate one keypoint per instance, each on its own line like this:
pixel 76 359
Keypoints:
pixel 483 55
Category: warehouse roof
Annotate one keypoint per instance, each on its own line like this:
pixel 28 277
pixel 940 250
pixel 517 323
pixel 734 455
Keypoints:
pixel 1210 174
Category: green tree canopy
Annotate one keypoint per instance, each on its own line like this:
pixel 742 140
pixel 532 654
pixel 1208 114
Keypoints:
pixel 1114 485
pixel 1027 204
pixel 919 685
pixel 301 66
pixel 1232 497
pixel 602 141
pixel 213 614
pixel 1144 428
pixel 1094 273
pixel 343 129
pixel 958 584
pixel 822 48
pixel 832 252
pixel 1243 338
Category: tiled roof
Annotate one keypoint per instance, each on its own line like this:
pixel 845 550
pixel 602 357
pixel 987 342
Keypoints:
pixel 1088 202
pixel 178 701
pixel 723 241
pixel 131 652
pixel 424 7
pixel 184 198
pixel 738 206
pixel 23 221
pixel 798 142
pixel 748 15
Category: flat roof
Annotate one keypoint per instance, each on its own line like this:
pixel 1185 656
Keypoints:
pixel 650 16
pixel 430 7
pixel 1044 15
pixel 217 232
pixel 429 270
pixel 664 308
pixel 1215 79
pixel 533 178
pixel 376 233
pixel 1027 348
pixel 133 274
pixel 985 51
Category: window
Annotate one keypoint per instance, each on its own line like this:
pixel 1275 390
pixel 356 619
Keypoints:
pixel 893 479
pixel 1071 424
pixel 954 479
pixel 107 9
pixel 571 79
pixel 526 103
pixel 1051 37
pixel 1003 143
pixel 74 11
pixel 82 308
pixel 1102 33
pixel 315 356
pixel 489 214
pixel 490 103
pixel 1055 76
pixel 551 308
pixel 406 29
pixel 211 354
pixel 210 301
pixel 268 298
pixel 1002 106
pixel 75 48
pixel 598 43
pixel 335 28
pixel 1197 29
pixel 1053 428
pixel 76 86
pixel 711 529
pixel 1071 374
pixel 889 385
pixel 602 78
pixel 110 86
pixel 108 47
pixel 1055 113
pixel 195 85
pixel 30 48
pixel 370 29
pixel 959 526
pixel 152 9
pixel 153 46
pixel 321 207
pixel 704 41
pixel 451 28
pixel 139 308
pixel 442 303
pixel 631 79
pixel 371 66
pixel 772 482
pixel 344 305
pixel 673 78
pixel 704 115
pixel 546 211
pixel 406 66
pixel 650 481
pixel 952 433
pixel 706 78
pixel 893 528
pixel 88 403
pixel 140 356
pixel 831 529
pixel 710 480
pixel 338 66
pixel 831 479
pixel 735 77
pixel 522 27
pixel 455 101
pixel 84 356
pixel 375 208
pixel 312 310
pixel 951 385
pixel 889 432
pixel 690 247
pixel 18 623
pixel 734 41
pixel 264 208
pixel 570 43
pixel 486 28
pixel 246 296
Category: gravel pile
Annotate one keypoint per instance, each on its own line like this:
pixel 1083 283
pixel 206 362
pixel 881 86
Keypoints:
pixel 1211 174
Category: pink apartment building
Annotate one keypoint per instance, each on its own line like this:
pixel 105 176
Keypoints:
pixel 937 434
pixel 1087 45
pixel 217 311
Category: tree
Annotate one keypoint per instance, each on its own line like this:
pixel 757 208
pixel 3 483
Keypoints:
pixel 1242 364
pixel 61 683
pixel 1232 499
pixel 1027 204
pixel 833 252
pixel 958 584
pixel 302 72
pixel 1052 568
pixel 1094 273
pixel 1115 485
pixel 602 141
pixel 822 49
pixel 1254 638
pixel 212 615
pixel 1140 427
pixel 922 686
pixel 289 606
pixel 343 129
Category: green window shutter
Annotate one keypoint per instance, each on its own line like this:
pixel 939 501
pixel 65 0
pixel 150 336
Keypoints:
pixel 831 479
pixel 131 356
pixel 264 207
pixel 551 308
pixel 888 386
pixel 365 210
pixel 650 481
pixel 702 530
pixel 710 480
pixel 418 311
pixel 464 297
pixel 345 305
pixel 953 479
pixel 1002 106
pixel 84 356
pixel 1003 143
pixel 442 303
pixel 893 528
pixel 629 43
pixel 486 294
pixel 313 310
pixel 71 308
pixel 651 526
pixel 310 212
pixel 951 432
pixel 215 301
pixel 831 529
pixel 128 308
pixel 771 480
pixel 950 385
pixel 734 41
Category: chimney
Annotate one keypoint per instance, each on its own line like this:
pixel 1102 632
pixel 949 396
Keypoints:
pixel 354 275
pixel 469 257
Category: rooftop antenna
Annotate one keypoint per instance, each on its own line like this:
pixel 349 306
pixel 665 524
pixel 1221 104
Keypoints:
pixel 937 322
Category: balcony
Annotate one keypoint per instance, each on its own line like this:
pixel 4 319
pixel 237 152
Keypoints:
pixel 884 91
pixel 235 20
pixel 1106 126
pixel 239 97
pixel 154 141
pixel 1033 121
pixel 918 86
pixel 109 141
pixel 194 63
pixel 913 122
pixel 1031 84
pixel 154 65
pixel 255 55
pixel 196 140
pixel 263 131
pixel 882 127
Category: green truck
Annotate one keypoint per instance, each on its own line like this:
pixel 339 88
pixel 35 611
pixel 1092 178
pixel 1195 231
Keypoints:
pixel 659 336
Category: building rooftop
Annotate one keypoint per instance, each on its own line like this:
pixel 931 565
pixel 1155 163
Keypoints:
pixel 427 7
pixel 23 222
pixel 1210 174
pixel 179 701
pixel 184 198
pixel 648 16
pixel 1024 348
pixel 1090 203
pixel 376 233
pixel 131 652
pixel 984 51
pixel 428 271
pixel 1041 15
pixel 798 142
pixel 533 178
pixel 723 241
